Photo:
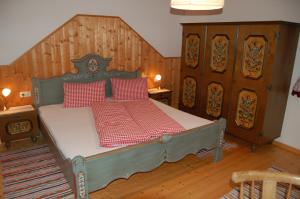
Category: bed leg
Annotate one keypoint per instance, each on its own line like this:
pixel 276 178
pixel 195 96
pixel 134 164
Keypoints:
pixel 80 177
pixel 220 141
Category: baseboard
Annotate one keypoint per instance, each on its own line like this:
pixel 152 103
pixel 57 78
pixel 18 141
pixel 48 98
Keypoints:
pixel 286 147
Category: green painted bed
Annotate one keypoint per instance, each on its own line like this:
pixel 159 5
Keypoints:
pixel 95 172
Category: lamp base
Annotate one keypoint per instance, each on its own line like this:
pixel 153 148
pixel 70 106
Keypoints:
pixel 2 104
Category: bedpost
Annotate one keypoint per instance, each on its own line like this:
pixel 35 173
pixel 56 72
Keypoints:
pixel 36 87
pixel 220 140
pixel 80 177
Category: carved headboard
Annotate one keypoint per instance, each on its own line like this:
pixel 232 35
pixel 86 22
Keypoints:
pixel 91 67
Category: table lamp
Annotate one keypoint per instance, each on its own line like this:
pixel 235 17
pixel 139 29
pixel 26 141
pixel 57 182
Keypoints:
pixel 5 92
pixel 157 79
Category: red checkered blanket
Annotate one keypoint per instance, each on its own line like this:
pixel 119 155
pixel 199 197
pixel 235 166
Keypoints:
pixel 131 122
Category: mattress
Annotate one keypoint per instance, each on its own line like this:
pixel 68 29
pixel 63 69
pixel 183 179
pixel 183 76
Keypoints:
pixel 74 133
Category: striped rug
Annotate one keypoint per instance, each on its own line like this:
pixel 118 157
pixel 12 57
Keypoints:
pixel 33 173
pixel 281 190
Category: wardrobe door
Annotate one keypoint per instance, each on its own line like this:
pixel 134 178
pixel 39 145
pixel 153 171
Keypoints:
pixel 193 44
pixel 217 71
pixel 251 80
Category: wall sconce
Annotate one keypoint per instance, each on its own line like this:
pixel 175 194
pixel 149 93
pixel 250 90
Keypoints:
pixel 296 88
pixel 157 79
pixel 5 92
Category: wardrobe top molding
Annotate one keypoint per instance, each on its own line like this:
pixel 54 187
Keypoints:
pixel 244 23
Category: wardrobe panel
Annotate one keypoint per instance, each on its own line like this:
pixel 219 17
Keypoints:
pixel 252 80
pixel 217 70
pixel 193 47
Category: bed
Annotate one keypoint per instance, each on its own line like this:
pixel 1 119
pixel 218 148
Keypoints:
pixel 92 167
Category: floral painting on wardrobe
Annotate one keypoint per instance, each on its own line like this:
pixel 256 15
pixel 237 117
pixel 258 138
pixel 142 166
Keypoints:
pixel 219 53
pixel 192 48
pixel 246 109
pixel 253 57
pixel 214 99
pixel 189 92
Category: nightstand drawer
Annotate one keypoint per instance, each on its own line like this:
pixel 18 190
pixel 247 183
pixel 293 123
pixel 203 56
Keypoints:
pixel 17 124
pixel 162 95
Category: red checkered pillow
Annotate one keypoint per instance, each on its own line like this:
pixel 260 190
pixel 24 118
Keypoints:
pixel 129 89
pixel 83 94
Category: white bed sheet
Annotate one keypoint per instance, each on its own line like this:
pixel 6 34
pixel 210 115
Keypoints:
pixel 73 129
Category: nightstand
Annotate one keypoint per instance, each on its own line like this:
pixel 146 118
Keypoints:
pixel 162 95
pixel 18 123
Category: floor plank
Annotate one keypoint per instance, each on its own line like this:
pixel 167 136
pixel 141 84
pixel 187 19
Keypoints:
pixel 198 178
pixel 193 177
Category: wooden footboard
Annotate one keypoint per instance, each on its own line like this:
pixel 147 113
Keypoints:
pixel 96 172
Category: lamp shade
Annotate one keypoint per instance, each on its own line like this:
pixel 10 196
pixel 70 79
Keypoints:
pixel 157 78
pixel 197 4
pixel 6 92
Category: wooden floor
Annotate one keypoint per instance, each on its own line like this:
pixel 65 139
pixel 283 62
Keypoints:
pixel 195 177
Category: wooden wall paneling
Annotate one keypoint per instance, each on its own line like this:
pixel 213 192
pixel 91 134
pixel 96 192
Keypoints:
pixel 56 55
pixel 104 30
pixel 32 57
pixel 120 47
pixel 91 35
pixel 138 53
pixel 149 65
pixel 47 58
pixel 46 71
pixel 172 72
pixel 82 34
pixel 28 64
pixel 115 43
pixel 72 34
pixel 50 64
pixel 166 74
pixel 113 32
pixel 62 51
pixel 75 37
pixel 65 49
pixel 82 39
pixel 128 48
pixel 175 81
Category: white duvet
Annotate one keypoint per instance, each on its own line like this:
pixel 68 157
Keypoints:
pixel 73 129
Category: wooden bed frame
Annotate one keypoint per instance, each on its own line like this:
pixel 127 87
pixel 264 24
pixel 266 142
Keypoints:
pixel 91 173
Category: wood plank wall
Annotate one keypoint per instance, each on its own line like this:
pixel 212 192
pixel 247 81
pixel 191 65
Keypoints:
pixel 83 34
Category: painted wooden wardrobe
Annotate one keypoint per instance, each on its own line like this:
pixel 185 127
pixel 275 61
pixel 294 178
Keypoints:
pixel 239 71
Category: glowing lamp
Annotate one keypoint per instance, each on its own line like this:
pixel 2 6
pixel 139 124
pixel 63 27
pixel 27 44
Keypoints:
pixel 6 92
pixel 157 79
